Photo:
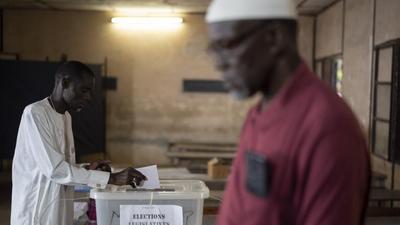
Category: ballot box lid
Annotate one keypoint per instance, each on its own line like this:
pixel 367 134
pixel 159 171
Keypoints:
pixel 170 189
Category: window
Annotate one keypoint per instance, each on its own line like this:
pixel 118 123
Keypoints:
pixel 330 69
pixel 205 86
pixel 385 96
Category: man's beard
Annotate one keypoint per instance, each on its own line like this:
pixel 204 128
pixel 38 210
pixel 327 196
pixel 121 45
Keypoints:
pixel 238 91
pixel 240 95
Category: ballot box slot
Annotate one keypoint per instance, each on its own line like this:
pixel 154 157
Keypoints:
pixel 151 190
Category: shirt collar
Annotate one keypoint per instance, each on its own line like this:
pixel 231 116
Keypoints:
pixel 288 91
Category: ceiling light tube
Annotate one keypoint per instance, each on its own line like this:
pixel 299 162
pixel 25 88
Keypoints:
pixel 147 20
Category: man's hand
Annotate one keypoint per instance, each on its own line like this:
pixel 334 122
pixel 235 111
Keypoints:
pixel 128 176
pixel 102 165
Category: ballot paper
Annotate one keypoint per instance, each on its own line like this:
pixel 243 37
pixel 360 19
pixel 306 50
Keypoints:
pixel 151 173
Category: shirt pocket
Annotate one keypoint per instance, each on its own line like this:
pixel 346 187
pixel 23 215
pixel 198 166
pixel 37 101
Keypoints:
pixel 281 174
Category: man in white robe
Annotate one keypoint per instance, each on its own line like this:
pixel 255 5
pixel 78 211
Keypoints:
pixel 44 170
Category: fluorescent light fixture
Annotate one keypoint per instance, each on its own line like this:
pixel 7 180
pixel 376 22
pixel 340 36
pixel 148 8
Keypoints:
pixel 147 20
pixel 143 11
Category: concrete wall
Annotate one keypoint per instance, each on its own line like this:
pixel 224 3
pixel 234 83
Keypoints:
pixel 148 110
pixel 329 31
pixel 387 20
pixel 357 57
pixel 306 38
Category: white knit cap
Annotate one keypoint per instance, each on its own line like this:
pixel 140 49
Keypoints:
pixel 227 10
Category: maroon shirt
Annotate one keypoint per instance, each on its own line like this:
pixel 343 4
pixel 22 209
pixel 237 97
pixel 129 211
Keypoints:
pixel 319 162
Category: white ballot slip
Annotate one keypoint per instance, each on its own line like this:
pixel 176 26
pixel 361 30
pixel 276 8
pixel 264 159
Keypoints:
pixel 151 215
pixel 151 173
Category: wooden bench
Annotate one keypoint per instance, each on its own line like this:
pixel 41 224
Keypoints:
pixel 384 195
pixel 378 180
pixel 196 155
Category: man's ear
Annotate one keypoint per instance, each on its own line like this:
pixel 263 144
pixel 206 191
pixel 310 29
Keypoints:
pixel 65 82
pixel 276 38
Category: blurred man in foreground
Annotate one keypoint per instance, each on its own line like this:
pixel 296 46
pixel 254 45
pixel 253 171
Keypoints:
pixel 302 158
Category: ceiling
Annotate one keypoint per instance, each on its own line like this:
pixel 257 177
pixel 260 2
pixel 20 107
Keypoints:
pixel 179 6
pixel 313 6
pixel 185 6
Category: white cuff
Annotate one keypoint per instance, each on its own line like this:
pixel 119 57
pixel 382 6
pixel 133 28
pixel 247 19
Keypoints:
pixel 98 179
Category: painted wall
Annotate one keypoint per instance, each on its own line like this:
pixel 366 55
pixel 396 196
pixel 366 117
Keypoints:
pixel 148 110
pixel 386 22
pixel 357 57
pixel 306 38
pixel 329 31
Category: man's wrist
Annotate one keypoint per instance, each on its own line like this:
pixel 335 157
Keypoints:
pixel 111 179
